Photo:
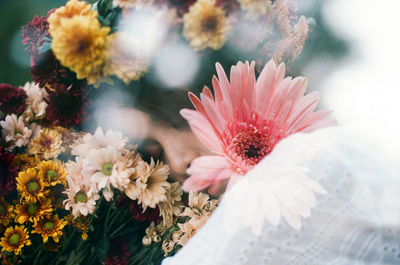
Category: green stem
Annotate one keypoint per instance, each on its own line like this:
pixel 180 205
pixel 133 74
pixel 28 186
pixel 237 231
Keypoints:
pixel 113 234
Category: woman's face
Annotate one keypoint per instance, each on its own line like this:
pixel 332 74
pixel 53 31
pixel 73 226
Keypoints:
pixel 175 147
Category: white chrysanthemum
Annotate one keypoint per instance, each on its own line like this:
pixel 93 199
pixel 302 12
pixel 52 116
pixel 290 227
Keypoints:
pixel 98 140
pixel 36 106
pixel 74 171
pixel 15 132
pixel 99 165
pixel 152 183
pixel 81 198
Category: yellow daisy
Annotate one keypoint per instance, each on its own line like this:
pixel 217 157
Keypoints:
pixel 205 25
pixel 123 59
pixel 71 9
pixel 30 185
pixel 6 212
pixel 25 161
pixel 48 144
pixel 81 223
pixel 53 172
pixel 80 43
pixel 14 239
pixel 32 211
pixel 50 226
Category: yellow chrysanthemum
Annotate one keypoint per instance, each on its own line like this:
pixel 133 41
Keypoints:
pixel 32 211
pixel 205 25
pixel 80 43
pixel 255 8
pixel 71 9
pixel 48 144
pixel 50 226
pixel 6 212
pixel 81 223
pixel 14 239
pixel 30 185
pixel 53 172
pixel 123 58
pixel 25 161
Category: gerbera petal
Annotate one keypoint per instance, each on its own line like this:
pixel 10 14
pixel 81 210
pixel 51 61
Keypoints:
pixel 202 129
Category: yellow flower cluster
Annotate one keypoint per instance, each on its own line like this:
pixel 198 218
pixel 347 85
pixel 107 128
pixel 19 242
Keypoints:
pixel 79 41
pixel 35 209
pixel 205 25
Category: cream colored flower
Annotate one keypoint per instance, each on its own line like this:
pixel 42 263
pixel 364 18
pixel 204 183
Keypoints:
pixel 167 246
pixel 152 182
pixel 99 165
pixel 125 4
pixel 190 228
pixel 255 8
pixel 88 142
pixel 81 198
pixel 124 169
pixel 48 144
pixel 205 25
pixel 131 189
pixel 15 132
pixel 36 106
pixel 172 206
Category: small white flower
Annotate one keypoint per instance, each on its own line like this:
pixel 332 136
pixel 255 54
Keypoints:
pixel 99 165
pixel 81 198
pixel 15 132
pixel 36 106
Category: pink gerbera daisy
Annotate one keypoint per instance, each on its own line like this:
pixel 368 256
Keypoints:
pixel 246 119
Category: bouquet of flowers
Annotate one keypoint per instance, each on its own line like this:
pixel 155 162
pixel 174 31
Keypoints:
pixel 73 197
pixel 70 197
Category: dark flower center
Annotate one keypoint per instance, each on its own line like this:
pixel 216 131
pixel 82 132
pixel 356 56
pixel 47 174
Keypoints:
pixel 209 24
pixel 46 142
pixel 80 197
pixel 16 132
pixel 14 239
pixel 252 146
pixel 52 174
pixel 33 186
pixel 48 225
pixel 32 208
pixel 107 169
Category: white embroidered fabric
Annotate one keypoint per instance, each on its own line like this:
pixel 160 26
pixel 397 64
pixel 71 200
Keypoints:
pixel 356 222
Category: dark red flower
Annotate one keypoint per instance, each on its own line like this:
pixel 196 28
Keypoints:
pixel 151 214
pixel 46 69
pixel 118 253
pixel 182 6
pixel 66 104
pixel 35 33
pixel 12 99
pixel 8 172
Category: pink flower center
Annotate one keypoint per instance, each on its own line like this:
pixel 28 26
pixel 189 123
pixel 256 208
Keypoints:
pixel 252 145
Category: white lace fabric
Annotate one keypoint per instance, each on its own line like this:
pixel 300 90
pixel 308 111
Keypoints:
pixel 356 222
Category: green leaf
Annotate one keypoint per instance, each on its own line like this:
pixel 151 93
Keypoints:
pixel 102 247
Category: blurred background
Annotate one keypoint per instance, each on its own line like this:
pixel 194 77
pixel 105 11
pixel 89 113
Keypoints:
pixel 351 56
